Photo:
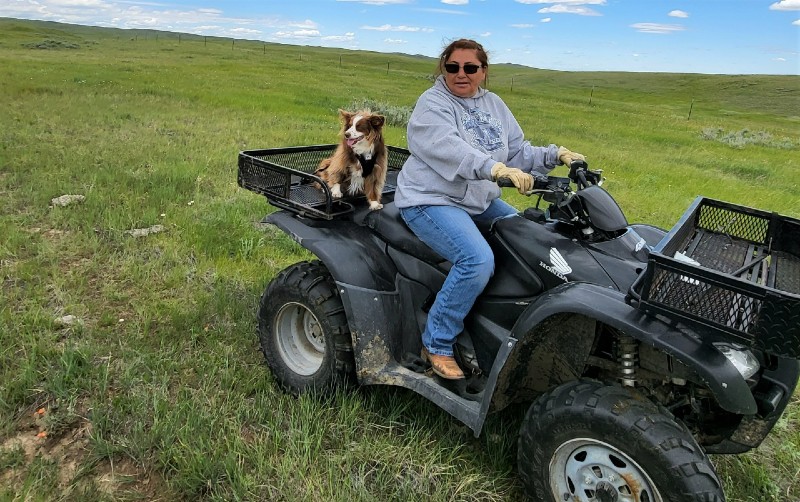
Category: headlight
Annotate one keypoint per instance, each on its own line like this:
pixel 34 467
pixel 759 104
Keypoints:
pixel 742 359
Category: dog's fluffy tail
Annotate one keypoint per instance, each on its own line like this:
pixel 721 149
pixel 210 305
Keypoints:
pixel 324 164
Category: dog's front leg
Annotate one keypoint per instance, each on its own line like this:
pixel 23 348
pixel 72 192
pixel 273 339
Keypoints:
pixel 335 184
pixel 373 190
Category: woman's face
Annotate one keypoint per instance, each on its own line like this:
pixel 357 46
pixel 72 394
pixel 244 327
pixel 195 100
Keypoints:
pixel 462 84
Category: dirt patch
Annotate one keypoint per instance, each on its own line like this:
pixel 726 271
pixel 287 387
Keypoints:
pixel 71 452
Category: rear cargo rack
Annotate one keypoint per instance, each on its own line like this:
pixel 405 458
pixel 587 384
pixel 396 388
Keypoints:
pixel 733 272
pixel 285 176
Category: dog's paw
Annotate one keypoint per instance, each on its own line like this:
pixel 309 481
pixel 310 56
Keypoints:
pixel 336 191
pixel 374 205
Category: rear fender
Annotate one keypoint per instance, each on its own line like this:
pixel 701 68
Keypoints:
pixel 352 254
pixel 547 337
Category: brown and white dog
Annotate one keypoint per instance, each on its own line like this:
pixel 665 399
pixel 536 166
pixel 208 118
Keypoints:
pixel 359 164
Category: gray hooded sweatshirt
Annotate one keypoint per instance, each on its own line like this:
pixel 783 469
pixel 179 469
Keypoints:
pixel 454 142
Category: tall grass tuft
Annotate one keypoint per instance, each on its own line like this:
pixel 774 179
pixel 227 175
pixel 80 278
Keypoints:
pixel 745 137
pixel 395 115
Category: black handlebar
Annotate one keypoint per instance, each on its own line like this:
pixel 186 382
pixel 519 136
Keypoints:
pixel 579 174
pixel 540 182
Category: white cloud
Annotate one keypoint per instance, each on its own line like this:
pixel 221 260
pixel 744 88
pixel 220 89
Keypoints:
pixel 796 23
pixel 394 41
pixel 563 2
pixel 786 5
pixel 486 34
pixel 569 9
pixel 303 24
pixel 678 13
pixel 389 27
pixel 297 34
pixel 522 26
pixel 657 28
pixel 76 3
pixel 244 32
pixel 347 37
pixel 546 19
pixel 456 2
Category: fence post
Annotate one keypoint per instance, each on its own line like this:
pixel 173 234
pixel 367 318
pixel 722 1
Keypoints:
pixel 591 95
pixel 690 109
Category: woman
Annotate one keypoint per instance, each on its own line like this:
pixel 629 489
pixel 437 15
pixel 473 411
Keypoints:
pixel 461 137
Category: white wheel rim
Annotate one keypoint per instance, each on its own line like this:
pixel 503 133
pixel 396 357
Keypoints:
pixel 589 470
pixel 301 342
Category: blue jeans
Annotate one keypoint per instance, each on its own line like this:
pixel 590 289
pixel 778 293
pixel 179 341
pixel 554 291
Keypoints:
pixel 451 232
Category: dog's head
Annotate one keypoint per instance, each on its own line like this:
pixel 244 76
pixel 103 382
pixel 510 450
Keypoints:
pixel 360 125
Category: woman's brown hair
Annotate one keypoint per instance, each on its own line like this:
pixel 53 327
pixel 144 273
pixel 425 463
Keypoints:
pixel 463 43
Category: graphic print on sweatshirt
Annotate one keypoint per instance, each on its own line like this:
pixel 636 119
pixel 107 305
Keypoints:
pixel 485 131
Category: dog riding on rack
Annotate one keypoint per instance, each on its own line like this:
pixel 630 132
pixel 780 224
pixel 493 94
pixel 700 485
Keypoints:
pixel 359 164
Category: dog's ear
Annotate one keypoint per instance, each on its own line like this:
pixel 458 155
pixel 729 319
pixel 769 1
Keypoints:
pixel 345 115
pixel 376 121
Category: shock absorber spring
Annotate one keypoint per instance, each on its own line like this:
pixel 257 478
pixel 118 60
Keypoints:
pixel 628 358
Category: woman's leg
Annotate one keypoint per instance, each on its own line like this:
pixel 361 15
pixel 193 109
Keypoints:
pixel 498 209
pixel 451 232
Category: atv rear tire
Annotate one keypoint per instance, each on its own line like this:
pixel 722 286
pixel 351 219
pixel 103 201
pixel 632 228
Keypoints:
pixel 303 330
pixel 585 441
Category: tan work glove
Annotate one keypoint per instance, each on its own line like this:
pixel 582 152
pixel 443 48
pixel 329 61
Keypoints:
pixel 566 157
pixel 522 180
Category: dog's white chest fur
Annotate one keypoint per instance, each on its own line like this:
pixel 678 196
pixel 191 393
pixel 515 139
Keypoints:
pixel 364 148
pixel 356 183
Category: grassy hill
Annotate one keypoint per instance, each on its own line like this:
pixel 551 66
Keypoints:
pixel 157 390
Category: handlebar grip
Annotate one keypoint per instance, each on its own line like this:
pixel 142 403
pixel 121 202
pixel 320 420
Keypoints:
pixel 540 182
pixel 575 167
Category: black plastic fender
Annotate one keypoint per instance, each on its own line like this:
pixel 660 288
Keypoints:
pixel 608 306
pixel 352 254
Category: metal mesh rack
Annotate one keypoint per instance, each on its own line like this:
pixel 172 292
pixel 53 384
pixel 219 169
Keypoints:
pixel 732 271
pixel 285 176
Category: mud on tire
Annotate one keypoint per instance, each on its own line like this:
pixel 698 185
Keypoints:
pixel 585 441
pixel 303 330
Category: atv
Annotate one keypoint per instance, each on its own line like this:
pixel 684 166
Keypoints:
pixel 640 350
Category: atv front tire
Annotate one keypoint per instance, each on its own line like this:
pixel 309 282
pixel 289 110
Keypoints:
pixel 303 330
pixel 585 441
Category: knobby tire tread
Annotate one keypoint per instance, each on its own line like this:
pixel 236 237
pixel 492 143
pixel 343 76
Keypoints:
pixel 311 282
pixel 618 412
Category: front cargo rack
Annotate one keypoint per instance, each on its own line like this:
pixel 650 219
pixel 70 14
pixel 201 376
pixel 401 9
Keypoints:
pixel 285 176
pixel 732 270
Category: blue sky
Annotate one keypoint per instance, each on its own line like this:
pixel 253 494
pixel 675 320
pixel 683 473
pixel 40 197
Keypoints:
pixel 692 36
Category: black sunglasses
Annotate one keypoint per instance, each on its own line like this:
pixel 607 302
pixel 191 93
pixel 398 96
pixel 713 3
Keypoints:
pixel 469 69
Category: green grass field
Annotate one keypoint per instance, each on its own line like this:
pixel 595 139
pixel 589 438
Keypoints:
pixel 157 390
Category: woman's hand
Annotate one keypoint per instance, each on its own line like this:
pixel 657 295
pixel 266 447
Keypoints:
pixel 522 180
pixel 566 157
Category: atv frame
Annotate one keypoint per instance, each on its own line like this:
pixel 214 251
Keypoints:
pixel 673 341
